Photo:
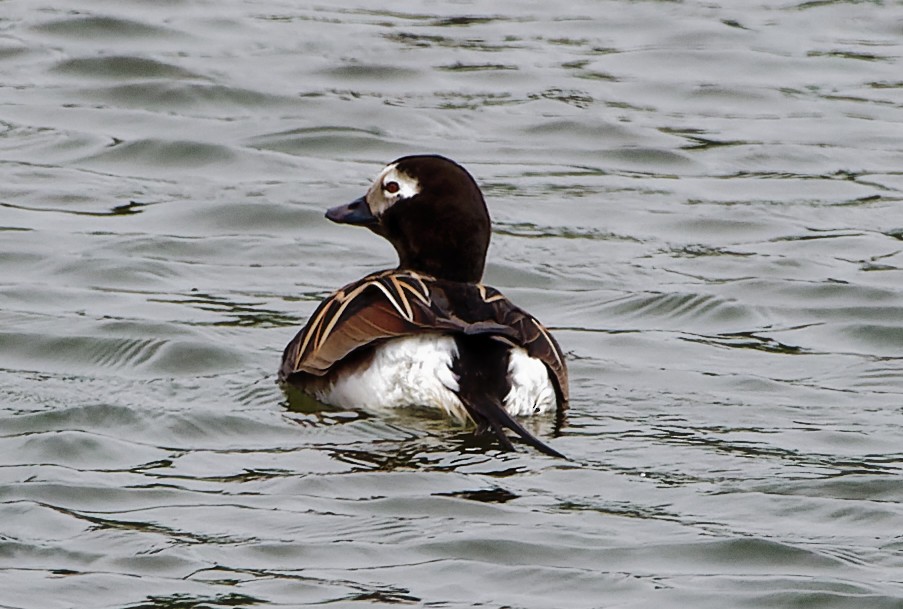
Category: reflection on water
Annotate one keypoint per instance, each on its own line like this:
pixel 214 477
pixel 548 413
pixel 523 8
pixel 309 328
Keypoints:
pixel 702 201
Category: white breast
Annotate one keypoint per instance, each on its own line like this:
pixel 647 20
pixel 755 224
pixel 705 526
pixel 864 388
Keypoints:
pixel 416 371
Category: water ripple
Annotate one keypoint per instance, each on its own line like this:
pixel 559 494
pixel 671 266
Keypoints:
pixel 702 202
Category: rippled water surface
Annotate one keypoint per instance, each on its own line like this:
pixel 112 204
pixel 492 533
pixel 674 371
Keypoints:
pixel 704 201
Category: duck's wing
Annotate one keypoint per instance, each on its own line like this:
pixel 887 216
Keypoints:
pixel 378 307
pixel 531 335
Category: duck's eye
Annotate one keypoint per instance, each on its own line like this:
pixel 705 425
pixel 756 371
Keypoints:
pixel 391 187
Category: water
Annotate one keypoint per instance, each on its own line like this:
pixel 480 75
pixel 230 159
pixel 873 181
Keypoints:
pixel 702 200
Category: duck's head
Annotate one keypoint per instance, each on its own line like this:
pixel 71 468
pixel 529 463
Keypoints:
pixel 432 211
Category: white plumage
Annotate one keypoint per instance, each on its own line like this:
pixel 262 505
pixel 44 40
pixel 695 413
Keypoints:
pixel 416 371
pixel 531 389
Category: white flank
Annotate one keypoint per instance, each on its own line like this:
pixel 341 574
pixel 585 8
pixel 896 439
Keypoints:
pixel 531 389
pixel 410 371
pixel 416 371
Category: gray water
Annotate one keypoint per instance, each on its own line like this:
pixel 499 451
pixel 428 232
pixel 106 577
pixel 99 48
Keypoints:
pixel 704 201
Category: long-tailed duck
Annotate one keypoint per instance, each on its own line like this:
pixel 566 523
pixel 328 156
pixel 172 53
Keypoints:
pixel 428 333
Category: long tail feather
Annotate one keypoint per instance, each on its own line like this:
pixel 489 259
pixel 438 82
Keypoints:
pixel 493 415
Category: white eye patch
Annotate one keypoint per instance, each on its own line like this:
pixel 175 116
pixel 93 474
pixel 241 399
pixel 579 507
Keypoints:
pixel 389 187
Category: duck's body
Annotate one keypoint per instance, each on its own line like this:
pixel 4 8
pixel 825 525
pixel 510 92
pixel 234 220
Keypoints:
pixel 428 333
pixel 397 338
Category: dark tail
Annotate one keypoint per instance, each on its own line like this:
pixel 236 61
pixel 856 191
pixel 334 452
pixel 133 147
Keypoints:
pixel 482 371
pixel 492 415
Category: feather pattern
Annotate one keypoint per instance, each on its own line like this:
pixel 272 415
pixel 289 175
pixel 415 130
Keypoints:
pixel 397 303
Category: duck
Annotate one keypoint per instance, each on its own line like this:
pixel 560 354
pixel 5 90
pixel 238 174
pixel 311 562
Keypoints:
pixel 428 333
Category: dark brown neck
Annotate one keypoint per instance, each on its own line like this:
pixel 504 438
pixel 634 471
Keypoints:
pixel 468 269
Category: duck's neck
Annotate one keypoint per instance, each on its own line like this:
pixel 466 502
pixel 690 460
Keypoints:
pixel 464 268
